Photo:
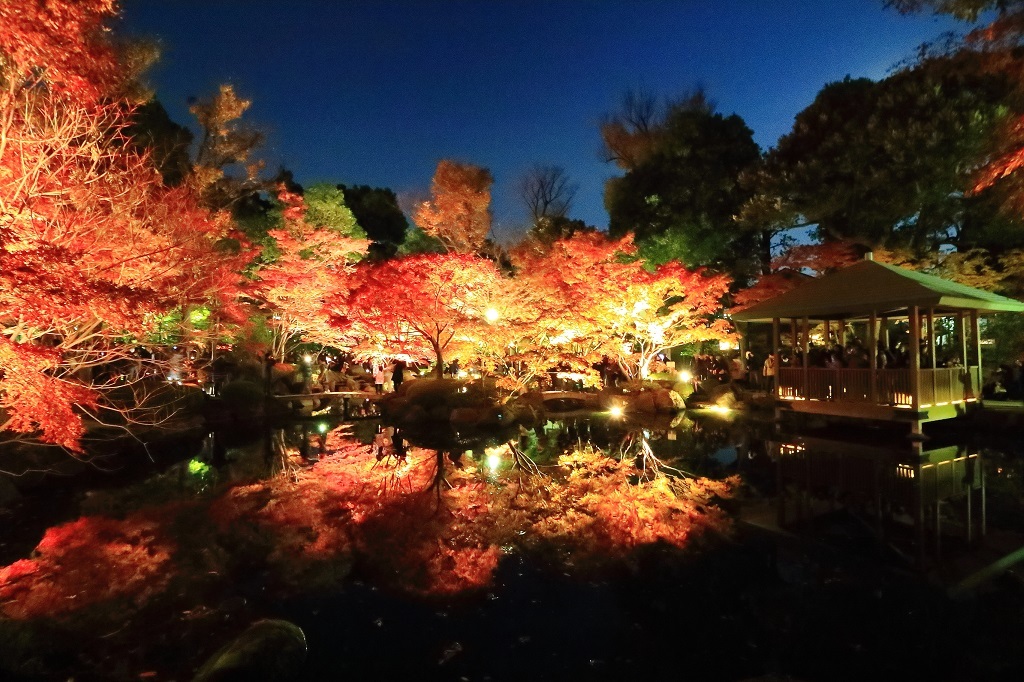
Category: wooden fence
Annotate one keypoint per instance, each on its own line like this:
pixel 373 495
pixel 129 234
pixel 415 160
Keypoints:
pixel 893 387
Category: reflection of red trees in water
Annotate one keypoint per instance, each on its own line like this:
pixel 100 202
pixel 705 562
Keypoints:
pixel 85 562
pixel 420 523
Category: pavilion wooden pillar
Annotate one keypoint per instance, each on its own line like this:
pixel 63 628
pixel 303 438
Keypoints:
pixel 976 327
pixel 793 334
pixel 885 332
pixel 806 361
pixel 873 357
pixel 932 351
pixel 775 354
pixel 915 364
pixel 961 330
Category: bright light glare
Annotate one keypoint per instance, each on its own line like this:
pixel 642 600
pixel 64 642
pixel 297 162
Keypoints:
pixel 615 411
pixel 685 376
pixel 307 359
pixel 322 427
pixel 724 345
pixel 721 409
pixel 492 315
pixel 493 461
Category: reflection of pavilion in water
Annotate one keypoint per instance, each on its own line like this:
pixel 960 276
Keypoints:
pixel 940 491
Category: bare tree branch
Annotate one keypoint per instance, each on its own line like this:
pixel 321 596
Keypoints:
pixel 547 192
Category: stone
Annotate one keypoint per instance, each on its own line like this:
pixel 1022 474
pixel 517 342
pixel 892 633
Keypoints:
pixel 269 650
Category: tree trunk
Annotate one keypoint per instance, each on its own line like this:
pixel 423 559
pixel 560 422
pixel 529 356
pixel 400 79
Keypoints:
pixel 765 248
pixel 439 370
pixel 643 367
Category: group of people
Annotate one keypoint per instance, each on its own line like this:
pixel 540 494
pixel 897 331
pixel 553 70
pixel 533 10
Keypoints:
pixel 758 371
pixel 387 378
pixel 1005 383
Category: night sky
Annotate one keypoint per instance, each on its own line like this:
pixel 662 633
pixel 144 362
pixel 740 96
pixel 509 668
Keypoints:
pixel 374 92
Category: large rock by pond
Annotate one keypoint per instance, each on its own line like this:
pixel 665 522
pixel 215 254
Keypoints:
pixel 657 400
pixel 435 400
pixel 473 405
pixel 269 650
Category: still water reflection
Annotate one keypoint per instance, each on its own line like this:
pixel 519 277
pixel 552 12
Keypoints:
pixel 747 604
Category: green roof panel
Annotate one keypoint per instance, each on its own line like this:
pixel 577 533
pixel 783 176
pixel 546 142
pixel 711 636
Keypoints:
pixel 870 286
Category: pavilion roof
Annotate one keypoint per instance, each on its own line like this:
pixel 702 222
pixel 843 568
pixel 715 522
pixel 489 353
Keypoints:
pixel 869 286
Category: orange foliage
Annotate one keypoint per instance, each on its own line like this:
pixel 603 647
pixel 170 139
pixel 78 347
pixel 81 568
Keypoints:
pixel 459 212
pixel 595 507
pixel 313 266
pixel 85 562
pixel 589 297
pixel 67 40
pixel 420 306
pixel 91 243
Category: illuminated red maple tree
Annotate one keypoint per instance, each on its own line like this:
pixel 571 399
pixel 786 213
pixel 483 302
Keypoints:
pixel 434 305
pixel 313 265
pixel 458 213
pixel 91 243
pixel 594 298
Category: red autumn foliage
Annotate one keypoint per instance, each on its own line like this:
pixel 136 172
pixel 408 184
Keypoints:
pixel 86 562
pixel 458 214
pixel 313 266
pixel 431 305
pixel 767 287
pixel 91 243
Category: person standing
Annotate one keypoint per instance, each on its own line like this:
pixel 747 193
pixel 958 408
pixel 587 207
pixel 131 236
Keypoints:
pixel 753 370
pixel 378 379
pixel 769 372
pixel 737 372
pixel 398 374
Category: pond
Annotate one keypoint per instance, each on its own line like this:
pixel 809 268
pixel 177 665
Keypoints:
pixel 586 548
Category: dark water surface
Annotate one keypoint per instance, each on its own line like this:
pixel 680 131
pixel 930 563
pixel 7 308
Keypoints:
pixel 828 603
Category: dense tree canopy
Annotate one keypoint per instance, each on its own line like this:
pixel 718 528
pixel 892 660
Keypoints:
pixel 377 212
pixel 458 214
pixel 891 162
pixel 92 245
pixel 168 143
pixel 681 193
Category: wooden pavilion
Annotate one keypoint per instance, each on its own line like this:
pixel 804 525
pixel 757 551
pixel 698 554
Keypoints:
pixel 892 306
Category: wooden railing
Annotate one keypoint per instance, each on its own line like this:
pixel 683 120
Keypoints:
pixel 891 386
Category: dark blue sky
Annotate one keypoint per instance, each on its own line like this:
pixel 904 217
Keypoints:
pixel 374 92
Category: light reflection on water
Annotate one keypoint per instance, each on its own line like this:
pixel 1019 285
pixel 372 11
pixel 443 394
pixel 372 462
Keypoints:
pixel 518 625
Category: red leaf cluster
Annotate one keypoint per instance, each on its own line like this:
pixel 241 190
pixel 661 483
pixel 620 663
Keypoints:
pixel 85 562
